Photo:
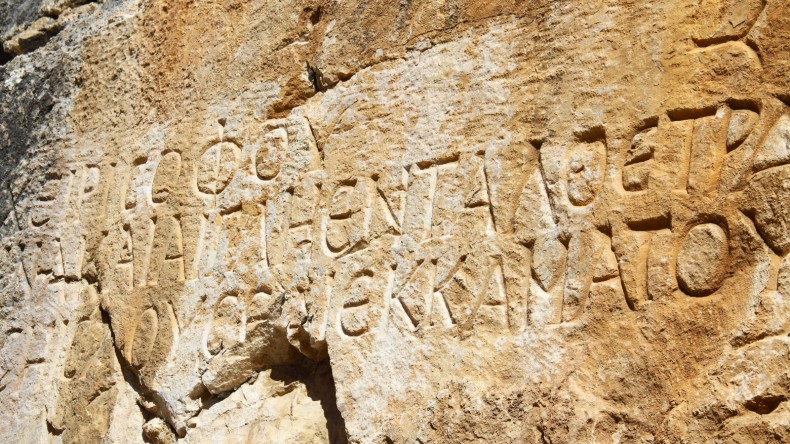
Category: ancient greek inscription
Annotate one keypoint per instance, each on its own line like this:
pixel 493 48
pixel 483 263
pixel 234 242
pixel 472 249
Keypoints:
pixel 587 166
pixel 144 337
pixel 491 240
pixel 269 155
pixel 217 167
pixel 166 177
pixel 702 259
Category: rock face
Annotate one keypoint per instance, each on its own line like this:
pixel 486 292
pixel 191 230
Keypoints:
pixel 440 221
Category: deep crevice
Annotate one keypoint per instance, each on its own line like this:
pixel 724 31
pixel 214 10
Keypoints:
pixel 320 384
pixel 764 405
pixel 54 431
pixel 5 57
pixel 316 78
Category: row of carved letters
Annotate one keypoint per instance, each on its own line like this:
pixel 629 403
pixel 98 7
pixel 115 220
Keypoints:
pixel 154 249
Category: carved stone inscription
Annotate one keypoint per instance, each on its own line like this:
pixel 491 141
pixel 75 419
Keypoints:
pixel 404 245
pixel 415 222
pixel 252 250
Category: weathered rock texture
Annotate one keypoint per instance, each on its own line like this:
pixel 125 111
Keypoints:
pixel 377 221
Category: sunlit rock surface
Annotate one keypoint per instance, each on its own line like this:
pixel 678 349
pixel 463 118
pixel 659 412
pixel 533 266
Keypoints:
pixel 375 221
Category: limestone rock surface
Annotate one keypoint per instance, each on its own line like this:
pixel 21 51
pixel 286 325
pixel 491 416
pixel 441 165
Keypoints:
pixel 393 222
